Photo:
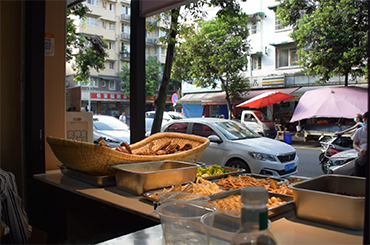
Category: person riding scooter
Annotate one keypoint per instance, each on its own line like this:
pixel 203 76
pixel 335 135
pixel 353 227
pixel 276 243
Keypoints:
pixel 352 129
pixel 360 144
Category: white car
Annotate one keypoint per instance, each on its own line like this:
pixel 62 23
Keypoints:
pixel 111 129
pixel 168 116
pixel 234 145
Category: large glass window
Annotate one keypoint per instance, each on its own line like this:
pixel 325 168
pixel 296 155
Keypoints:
pixel 111 26
pixel 287 57
pixel 112 85
pixel 93 2
pixel 256 62
pixel 126 10
pixel 92 21
pixel 125 28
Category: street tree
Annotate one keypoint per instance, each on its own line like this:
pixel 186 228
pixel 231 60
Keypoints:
pixel 331 36
pixel 217 51
pixel 87 52
pixel 169 23
pixel 152 77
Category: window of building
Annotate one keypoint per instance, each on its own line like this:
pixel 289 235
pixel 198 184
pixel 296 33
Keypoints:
pixel 156 51
pixel 92 21
pixel 126 10
pixel 111 46
pixel 94 82
pixel 104 4
pixel 111 26
pixel 254 28
pixel 125 47
pixel 103 84
pixel 125 28
pixel 147 51
pixel 278 25
pixel 163 51
pixel 93 2
pixel 103 24
pixel 287 57
pixel 112 85
pixel 111 65
pixel 111 7
pixel 256 62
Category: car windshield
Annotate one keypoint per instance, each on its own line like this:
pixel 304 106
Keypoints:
pixel 262 117
pixel 102 123
pixel 176 116
pixel 235 130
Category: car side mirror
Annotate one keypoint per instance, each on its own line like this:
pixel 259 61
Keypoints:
pixel 215 139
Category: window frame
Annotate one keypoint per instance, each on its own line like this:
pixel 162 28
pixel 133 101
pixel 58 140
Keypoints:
pixel 112 87
pixel 291 54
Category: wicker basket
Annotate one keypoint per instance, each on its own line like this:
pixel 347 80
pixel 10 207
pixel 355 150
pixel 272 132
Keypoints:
pixel 96 160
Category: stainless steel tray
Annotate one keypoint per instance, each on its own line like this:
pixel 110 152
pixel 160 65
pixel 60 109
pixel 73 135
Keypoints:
pixel 331 199
pixel 272 211
pixel 99 181
pixel 138 178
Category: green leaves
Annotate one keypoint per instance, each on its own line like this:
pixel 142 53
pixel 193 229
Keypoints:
pixel 216 51
pixel 91 50
pixel 152 69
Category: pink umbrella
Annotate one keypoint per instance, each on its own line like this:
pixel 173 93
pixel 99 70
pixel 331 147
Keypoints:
pixel 339 102
pixel 266 99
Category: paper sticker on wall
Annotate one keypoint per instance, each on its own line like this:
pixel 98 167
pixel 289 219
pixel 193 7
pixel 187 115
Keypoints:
pixel 49 44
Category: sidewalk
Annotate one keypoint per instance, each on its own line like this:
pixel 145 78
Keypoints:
pixel 299 141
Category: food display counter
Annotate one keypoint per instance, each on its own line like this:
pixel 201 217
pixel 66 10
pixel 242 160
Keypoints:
pixel 287 228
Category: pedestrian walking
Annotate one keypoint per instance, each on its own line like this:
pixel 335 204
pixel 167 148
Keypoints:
pixel 122 117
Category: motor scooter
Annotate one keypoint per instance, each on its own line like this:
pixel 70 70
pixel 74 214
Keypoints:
pixel 342 163
pixel 331 147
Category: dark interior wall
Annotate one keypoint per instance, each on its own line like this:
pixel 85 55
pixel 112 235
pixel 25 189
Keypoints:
pixel 10 89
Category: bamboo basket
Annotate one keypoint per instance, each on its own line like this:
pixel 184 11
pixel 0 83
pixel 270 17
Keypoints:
pixel 97 160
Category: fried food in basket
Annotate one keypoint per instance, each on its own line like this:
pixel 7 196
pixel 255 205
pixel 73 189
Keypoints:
pixel 153 149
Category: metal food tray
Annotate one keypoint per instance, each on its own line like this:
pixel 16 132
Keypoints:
pixel 99 181
pixel 272 211
pixel 141 177
pixel 280 181
pixel 337 200
pixel 233 171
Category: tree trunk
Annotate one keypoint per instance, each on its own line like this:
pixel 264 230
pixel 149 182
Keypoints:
pixel 160 102
pixel 227 98
pixel 346 80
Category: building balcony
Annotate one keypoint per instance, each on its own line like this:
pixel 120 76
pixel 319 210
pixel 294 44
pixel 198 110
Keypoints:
pixel 125 36
pixel 125 17
pixel 125 55
pixel 150 40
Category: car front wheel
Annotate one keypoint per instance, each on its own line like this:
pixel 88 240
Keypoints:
pixel 237 163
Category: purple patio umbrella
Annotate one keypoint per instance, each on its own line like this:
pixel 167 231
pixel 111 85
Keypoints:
pixel 342 102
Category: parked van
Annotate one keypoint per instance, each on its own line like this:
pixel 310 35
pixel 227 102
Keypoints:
pixel 258 122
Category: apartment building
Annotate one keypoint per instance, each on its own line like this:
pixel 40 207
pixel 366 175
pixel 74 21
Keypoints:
pixel 110 19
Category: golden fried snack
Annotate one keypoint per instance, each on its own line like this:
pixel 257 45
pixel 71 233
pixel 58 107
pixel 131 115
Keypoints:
pixel 233 202
pixel 186 147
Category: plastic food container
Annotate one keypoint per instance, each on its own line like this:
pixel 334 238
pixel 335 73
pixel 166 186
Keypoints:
pixel 331 199
pixel 138 178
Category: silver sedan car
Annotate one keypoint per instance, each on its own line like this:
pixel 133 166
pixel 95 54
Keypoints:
pixel 112 130
pixel 233 144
